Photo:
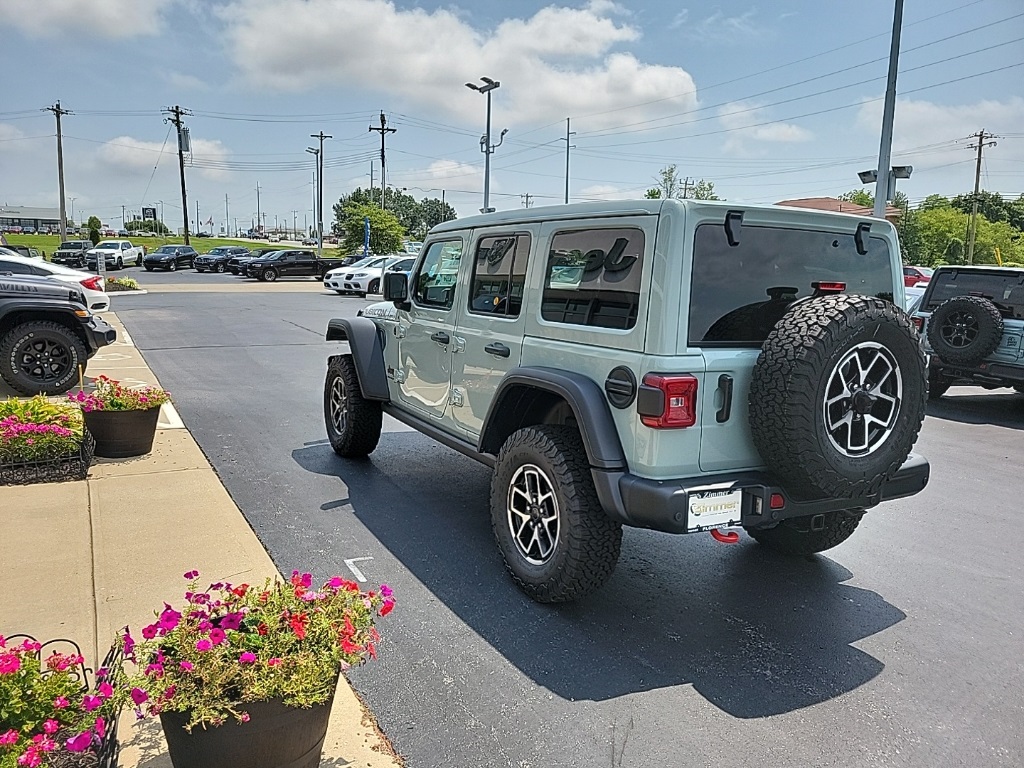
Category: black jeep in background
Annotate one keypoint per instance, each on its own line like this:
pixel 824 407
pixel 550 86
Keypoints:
pixel 71 253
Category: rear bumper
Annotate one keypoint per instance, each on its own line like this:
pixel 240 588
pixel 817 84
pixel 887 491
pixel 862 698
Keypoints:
pixel 663 505
pixel 997 374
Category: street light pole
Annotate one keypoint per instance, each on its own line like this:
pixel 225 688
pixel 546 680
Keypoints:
pixel 485 141
pixel 320 192
pixel 888 113
pixel 317 199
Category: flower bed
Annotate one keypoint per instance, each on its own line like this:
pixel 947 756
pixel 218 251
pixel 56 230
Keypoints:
pixel 42 441
pixel 115 284
pixel 50 715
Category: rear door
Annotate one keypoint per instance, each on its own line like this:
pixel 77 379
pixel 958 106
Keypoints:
pixel 304 264
pixel 491 323
pixel 737 295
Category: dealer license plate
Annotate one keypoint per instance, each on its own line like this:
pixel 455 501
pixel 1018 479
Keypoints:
pixel 714 509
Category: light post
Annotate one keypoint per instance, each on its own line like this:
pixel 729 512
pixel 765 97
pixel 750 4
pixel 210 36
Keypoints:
pixel 318 199
pixel 72 199
pixel 485 141
pixel 889 192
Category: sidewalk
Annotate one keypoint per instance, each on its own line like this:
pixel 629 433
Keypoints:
pixel 82 559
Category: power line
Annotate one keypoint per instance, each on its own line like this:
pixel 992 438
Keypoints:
pixel 58 112
pixel 176 113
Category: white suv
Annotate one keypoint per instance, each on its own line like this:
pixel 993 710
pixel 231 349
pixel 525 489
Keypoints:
pixel 364 276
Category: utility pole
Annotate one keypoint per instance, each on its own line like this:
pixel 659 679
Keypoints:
pixel 686 187
pixel 371 181
pixel 184 145
pixel 320 191
pixel 58 112
pixel 199 223
pixel 383 131
pixel 526 199
pixel 568 146
pixel 226 217
pixel 983 141
pixel 888 114
pixel 124 221
pixel 257 204
pixel 295 231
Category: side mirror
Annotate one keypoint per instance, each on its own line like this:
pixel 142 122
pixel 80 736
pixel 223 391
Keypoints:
pixel 396 288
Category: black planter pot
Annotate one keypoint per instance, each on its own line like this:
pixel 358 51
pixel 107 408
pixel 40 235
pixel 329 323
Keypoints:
pixel 276 736
pixel 120 434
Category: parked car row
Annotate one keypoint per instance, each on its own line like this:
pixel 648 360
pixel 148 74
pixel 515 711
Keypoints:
pixel 365 276
pixel 90 285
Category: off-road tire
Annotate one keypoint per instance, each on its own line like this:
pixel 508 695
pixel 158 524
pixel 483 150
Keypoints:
pixel 268 275
pixel 588 541
pixel 938 384
pixel 360 433
pixel 984 323
pixel 786 405
pixel 19 337
pixel 795 537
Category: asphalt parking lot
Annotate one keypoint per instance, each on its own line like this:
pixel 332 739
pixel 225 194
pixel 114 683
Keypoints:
pixel 902 647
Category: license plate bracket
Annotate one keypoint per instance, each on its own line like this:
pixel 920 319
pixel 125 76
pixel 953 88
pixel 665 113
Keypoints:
pixel 713 508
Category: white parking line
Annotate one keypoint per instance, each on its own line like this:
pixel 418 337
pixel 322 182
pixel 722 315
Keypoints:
pixel 355 571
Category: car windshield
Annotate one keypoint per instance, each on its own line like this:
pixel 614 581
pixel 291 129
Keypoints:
pixel 219 250
pixel 166 249
pixel 1004 289
pixel 71 245
pixel 109 247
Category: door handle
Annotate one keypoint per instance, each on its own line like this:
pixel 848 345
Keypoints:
pixel 725 386
pixel 440 337
pixel 497 348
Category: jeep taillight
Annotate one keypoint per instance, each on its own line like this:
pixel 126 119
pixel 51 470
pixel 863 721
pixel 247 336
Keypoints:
pixel 919 322
pixel 668 401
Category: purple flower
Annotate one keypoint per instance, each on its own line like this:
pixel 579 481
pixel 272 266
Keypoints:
pixel 105 690
pixel 139 696
pixel 89 703
pixel 192 575
pixel 231 621
pixel 80 743
pixel 217 636
pixel 187 665
pixel 149 632
pixel 247 658
pixel 385 590
pixel 203 645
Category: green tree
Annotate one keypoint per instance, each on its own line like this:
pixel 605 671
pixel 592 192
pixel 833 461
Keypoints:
pixel 991 204
pixel 148 226
pixel 671 187
pixel 434 212
pixel 386 232
pixel 859 197
pixel 933 201
pixel 704 190
pixel 94 235
pixel 405 208
pixel 94 223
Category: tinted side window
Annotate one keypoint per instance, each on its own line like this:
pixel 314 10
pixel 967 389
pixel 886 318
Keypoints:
pixel 739 293
pixel 1006 290
pixel 499 275
pixel 593 278
pixel 15 268
pixel 438 274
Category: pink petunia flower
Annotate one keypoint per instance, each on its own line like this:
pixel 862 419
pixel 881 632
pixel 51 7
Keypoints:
pixel 274 662
pixel 245 717
pixel 105 690
pixel 79 743
pixel 89 702
pixel 9 663
pixel 385 590
pixel 8 737
pixel 186 665
pixel 101 727
pixel 60 703
pixel 217 636
pixel 149 632
pixel 139 696
pixel 247 658
pixel 51 726
pixel 192 575
pixel 203 645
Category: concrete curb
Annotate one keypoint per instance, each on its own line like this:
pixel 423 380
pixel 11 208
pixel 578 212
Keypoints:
pixel 128 293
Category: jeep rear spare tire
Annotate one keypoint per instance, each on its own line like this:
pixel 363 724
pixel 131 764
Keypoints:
pixel 557 541
pixel 965 330
pixel 838 396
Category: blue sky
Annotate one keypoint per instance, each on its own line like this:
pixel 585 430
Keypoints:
pixel 768 100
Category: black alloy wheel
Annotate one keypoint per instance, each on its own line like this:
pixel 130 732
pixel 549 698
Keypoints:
pixel 41 357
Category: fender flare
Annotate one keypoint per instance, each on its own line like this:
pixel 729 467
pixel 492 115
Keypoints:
pixel 586 399
pixel 364 339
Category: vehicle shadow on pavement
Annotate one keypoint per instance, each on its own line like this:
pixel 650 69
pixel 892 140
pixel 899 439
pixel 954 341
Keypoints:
pixel 755 633
pixel 1002 408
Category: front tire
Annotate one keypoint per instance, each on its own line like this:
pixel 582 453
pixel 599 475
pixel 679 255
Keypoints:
pixel 41 357
pixel 373 287
pixel 353 422
pixel 149 268
pixel 172 267
pixel 269 275
pixel 218 268
pixel 120 264
pixel 802 536
pixel 557 542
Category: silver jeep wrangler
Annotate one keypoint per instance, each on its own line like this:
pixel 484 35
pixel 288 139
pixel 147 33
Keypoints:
pixel 676 365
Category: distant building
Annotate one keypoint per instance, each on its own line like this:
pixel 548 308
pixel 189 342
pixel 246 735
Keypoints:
pixel 834 204
pixel 38 218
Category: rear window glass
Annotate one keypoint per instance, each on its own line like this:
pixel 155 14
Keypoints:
pixel 1005 290
pixel 593 278
pixel 739 293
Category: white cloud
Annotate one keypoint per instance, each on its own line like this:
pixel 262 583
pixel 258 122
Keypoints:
pixel 923 123
pixel 604 192
pixel 718 27
pixel 10 132
pixel 184 82
pixel 558 62
pixel 111 19
pixel 133 156
pixel 443 170
pixel 748 122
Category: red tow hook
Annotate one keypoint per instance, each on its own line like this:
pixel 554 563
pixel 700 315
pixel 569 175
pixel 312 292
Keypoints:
pixel 725 537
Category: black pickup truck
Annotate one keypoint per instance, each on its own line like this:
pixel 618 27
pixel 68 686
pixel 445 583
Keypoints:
pixel 46 333
pixel 290 263
pixel 71 253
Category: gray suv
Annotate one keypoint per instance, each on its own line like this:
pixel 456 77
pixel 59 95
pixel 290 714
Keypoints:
pixel 682 366
pixel 973 320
